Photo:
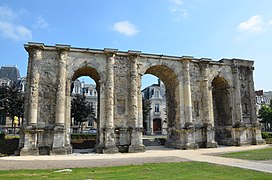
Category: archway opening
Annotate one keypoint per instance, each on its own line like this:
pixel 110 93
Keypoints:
pixel 154 105
pixel 164 100
pixel 222 110
pixel 84 108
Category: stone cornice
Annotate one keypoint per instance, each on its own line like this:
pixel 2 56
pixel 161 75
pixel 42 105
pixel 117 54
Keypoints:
pixel 224 61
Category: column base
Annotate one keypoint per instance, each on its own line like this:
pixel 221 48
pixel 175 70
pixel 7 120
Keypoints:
pixel 136 149
pixel 110 150
pixel 211 144
pixel 33 151
pixel 239 136
pixel 257 135
pixel 259 142
pixel 181 145
pixel 59 151
pixel 58 141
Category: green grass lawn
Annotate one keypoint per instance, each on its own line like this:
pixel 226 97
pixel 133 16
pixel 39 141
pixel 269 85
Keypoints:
pixel 184 170
pixel 259 154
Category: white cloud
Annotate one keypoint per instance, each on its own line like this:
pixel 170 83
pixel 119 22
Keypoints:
pixel 14 32
pixel 177 2
pixel 178 10
pixel 126 28
pixel 7 14
pixel 254 24
pixel 41 23
pixel 11 30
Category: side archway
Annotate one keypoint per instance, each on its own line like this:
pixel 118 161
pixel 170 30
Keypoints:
pixel 222 110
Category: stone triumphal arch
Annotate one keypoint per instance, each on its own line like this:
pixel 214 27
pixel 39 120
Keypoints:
pixel 208 102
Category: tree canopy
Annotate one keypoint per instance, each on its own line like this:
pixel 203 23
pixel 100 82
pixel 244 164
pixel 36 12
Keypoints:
pixel 265 113
pixel 81 109
pixel 11 101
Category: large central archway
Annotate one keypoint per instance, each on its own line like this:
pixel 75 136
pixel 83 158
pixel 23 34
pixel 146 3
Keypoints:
pixel 93 100
pixel 170 80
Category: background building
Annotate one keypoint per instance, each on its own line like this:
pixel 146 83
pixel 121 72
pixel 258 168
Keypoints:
pixel 262 98
pixel 156 123
pixel 89 91
pixel 10 76
pixel 10 72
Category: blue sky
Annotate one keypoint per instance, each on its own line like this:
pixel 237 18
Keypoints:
pixel 200 28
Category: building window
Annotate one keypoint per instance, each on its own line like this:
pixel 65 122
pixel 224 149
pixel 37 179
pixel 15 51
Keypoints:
pixel 2 120
pixel 152 92
pixel 90 122
pixel 157 94
pixel 157 107
pixel 76 89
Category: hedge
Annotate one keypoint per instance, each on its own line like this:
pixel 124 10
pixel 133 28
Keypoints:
pixel 266 135
pixel 8 146
pixel 83 136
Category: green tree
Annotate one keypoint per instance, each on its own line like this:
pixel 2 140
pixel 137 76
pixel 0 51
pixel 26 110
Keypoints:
pixel 80 110
pixel 146 108
pixel 265 113
pixel 11 102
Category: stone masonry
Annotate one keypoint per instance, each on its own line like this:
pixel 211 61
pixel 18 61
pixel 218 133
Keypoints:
pixel 208 102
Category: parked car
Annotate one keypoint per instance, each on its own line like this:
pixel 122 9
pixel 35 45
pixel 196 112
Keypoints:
pixel 91 131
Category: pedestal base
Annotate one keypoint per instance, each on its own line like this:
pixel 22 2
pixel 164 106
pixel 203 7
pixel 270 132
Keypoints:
pixel 110 150
pixel 136 149
pixel 59 151
pixel 211 144
pixel 29 151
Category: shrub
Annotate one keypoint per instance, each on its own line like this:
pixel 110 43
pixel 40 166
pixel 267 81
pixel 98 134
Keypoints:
pixel 8 146
pixel 266 135
pixel 2 135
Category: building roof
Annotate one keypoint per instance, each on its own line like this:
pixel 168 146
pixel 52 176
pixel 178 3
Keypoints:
pixel 10 72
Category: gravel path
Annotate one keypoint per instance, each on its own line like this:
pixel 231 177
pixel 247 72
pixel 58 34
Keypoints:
pixel 152 155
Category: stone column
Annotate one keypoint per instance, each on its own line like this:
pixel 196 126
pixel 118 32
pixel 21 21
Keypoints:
pixel 30 129
pixel 140 103
pixel 206 105
pixel 256 126
pixel 189 136
pixel 110 137
pixel 34 87
pixel 238 115
pixel 238 130
pixel 187 92
pixel 61 94
pixel 252 96
pixel 59 129
pixel 137 130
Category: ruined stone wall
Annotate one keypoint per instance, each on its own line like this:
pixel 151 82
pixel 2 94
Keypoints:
pixel 194 90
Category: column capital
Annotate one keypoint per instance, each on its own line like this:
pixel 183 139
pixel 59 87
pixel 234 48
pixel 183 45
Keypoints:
pixel 109 51
pixel 33 45
pixel 134 53
pixel 235 68
pixel 63 47
pixel 187 58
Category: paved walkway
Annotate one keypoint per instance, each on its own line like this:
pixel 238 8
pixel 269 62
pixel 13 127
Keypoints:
pixel 152 155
